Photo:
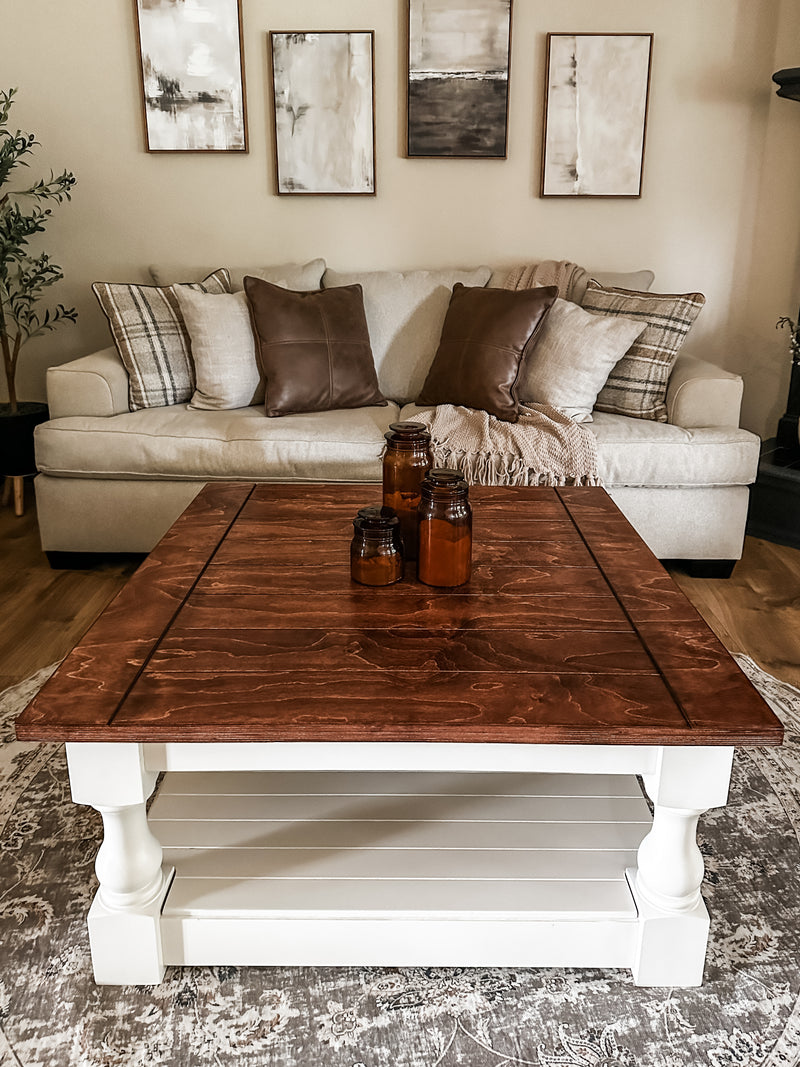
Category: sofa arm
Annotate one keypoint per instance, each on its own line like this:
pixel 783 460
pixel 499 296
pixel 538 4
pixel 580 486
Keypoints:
pixel 92 385
pixel 702 394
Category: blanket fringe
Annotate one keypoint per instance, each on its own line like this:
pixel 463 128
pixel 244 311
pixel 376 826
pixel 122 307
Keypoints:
pixel 493 468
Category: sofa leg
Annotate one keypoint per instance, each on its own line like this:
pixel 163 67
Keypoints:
pixel 84 561
pixel 703 568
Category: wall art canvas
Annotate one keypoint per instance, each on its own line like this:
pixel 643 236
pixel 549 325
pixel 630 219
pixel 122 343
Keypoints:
pixel 458 76
pixel 595 114
pixel 323 90
pixel 192 75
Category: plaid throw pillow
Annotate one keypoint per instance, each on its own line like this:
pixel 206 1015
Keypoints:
pixel 637 386
pixel 151 337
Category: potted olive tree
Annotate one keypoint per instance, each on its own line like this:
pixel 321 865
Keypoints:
pixel 23 276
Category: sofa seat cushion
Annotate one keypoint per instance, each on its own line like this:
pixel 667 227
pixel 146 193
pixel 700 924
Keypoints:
pixel 180 443
pixel 641 452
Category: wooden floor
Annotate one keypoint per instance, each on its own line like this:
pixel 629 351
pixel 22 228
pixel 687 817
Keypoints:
pixel 43 613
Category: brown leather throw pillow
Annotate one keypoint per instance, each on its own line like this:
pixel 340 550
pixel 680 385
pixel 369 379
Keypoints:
pixel 313 348
pixel 487 334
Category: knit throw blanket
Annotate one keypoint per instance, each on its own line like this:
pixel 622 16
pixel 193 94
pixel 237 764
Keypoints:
pixel 570 279
pixel 545 447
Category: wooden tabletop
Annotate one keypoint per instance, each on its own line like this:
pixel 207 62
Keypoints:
pixel 243 625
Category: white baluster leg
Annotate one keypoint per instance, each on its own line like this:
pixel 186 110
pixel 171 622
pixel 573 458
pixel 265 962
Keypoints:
pixel 673 920
pixel 124 920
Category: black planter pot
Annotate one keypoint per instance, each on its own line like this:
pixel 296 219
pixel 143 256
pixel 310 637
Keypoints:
pixel 16 438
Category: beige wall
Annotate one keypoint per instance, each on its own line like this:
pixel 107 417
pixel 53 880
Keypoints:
pixel 720 211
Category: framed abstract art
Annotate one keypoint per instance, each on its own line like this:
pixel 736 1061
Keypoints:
pixel 595 112
pixel 323 92
pixel 459 54
pixel 192 75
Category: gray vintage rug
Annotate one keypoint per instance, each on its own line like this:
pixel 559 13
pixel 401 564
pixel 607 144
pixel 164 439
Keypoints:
pixel 746 1014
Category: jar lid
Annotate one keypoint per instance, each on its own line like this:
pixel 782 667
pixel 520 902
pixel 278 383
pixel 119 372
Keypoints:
pixel 411 432
pixel 444 478
pixel 374 518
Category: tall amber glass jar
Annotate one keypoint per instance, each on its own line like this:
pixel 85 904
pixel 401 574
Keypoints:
pixel 445 529
pixel 376 552
pixel 406 461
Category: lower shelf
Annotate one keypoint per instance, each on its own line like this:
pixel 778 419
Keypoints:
pixel 319 868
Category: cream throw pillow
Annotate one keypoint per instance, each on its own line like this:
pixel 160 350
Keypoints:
pixel 573 357
pixel 226 369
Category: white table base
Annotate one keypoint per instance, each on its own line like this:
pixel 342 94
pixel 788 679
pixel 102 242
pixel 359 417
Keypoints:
pixel 399 855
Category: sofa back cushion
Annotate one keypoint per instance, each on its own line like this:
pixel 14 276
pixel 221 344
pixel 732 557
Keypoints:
pixel 302 276
pixel 151 337
pixel 313 348
pixel 405 313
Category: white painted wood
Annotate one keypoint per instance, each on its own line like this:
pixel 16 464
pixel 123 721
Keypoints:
pixel 348 861
pixel 399 943
pixel 109 774
pixel 371 833
pixel 404 808
pixel 696 777
pixel 670 948
pixel 128 864
pixel 334 783
pixel 440 899
pixel 126 945
pixel 402 756
pixel 670 863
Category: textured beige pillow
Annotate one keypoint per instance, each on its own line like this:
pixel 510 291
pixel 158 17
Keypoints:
pixel 573 356
pixel 226 368
pixel 405 314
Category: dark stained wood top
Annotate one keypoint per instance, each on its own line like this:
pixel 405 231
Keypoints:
pixel 243 625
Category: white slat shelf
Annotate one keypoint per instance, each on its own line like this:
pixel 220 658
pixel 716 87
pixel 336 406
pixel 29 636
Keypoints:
pixel 306 867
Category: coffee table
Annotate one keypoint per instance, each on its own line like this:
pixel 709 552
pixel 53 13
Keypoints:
pixel 406 775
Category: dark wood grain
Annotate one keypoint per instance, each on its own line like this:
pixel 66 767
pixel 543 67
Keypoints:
pixel 396 648
pixel 243 624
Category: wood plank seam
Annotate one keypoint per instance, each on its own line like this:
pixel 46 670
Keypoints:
pixel 155 644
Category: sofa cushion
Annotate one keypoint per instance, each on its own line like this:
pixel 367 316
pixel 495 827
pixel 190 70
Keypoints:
pixel 179 443
pixel 574 354
pixel 485 337
pixel 226 370
pixel 313 348
pixel 638 384
pixel 299 276
pixel 405 312
pixel 151 337
pixel 641 452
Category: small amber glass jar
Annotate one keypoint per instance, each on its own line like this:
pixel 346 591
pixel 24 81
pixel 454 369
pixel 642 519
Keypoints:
pixel 445 529
pixel 376 553
pixel 406 461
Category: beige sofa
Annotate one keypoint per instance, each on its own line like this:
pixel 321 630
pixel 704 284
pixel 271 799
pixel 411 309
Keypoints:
pixel 113 480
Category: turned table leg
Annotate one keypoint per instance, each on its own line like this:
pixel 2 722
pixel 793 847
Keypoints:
pixel 124 920
pixel 673 920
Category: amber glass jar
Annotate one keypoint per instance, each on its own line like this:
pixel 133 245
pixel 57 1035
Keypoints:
pixel 445 529
pixel 376 552
pixel 406 461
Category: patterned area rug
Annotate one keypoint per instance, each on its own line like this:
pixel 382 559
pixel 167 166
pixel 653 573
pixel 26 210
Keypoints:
pixel 745 1015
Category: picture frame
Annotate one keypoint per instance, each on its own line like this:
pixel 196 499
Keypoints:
pixel 320 149
pixel 597 88
pixel 191 67
pixel 459 70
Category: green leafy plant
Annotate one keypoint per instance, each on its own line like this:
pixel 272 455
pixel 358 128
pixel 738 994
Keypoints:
pixel 784 322
pixel 23 276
